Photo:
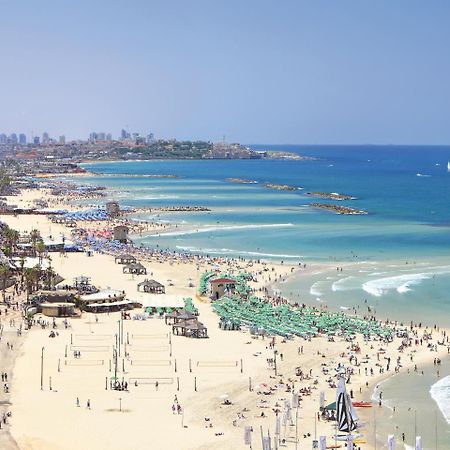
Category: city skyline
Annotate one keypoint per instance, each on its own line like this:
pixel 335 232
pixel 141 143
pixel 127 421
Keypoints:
pixel 256 72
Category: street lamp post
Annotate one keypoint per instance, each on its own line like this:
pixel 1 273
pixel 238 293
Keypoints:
pixel 275 352
pixel 42 369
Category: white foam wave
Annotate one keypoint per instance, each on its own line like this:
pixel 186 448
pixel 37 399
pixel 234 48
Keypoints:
pixel 342 284
pixel 440 392
pixel 225 228
pixel 400 283
pixel 231 251
pixel 314 289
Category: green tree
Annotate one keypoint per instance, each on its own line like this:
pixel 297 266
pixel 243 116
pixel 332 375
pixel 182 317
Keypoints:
pixel 5 272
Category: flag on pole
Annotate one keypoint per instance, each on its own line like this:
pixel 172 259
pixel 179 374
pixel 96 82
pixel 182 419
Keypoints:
pixel 391 442
pixel 323 443
pixel 248 436
pixel 295 400
pixel 418 442
pixel 278 426
pixel 266 443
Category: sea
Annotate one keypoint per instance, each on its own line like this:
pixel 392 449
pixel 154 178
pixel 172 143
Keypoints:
pixel 394 260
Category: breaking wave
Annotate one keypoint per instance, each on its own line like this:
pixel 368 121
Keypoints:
pixel 440 392
pixel 400 283
pixel 220 251
pixel 225 228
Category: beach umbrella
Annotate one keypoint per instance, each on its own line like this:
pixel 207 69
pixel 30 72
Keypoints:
pixel 223 396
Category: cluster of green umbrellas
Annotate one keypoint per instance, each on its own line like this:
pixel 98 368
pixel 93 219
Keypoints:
pixel 263 317
pixel 189 306
pixel 203 284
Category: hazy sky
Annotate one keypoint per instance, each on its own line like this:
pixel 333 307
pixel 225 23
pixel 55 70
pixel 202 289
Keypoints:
pixel 257 71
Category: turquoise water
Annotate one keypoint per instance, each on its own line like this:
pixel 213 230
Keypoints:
pixel 395 260
pixel 409 214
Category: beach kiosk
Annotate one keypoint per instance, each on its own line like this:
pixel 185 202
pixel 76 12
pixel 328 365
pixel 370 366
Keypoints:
pixel 190 328
pixel 221 286
pixel 135 269
pixel 125 258
pixel 151 287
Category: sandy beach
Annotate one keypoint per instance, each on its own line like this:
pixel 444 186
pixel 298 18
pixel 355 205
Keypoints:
pixel 197 374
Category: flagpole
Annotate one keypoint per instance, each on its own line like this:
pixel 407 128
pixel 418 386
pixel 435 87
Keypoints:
pixel 415 423
pixel 435 429
pixel 374 428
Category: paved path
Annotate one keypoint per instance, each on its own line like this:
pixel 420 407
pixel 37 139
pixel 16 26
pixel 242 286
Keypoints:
pixel 7 358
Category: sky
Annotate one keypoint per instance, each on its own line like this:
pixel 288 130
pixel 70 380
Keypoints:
pixel 254 71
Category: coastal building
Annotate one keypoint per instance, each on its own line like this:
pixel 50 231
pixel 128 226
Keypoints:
pixel 58 309
pixel 3 138
pixel 36 140
pixel 112 208
pixel 120 233
pixel 45 138
pixel 13 138
pixel 221 286
pixel 22 139
pixel 103 296
pixel 62 140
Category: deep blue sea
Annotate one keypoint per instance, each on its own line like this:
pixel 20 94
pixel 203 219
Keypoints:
pixel 395 259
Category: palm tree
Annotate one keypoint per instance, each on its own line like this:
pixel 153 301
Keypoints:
pixel 22 264
pixel 49 277
pixel 4 275
pixel 34 235
pixel 11 237
pixel 32 276
pixel 40 248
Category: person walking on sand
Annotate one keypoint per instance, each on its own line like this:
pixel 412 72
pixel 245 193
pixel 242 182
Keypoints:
pixel 88 404
pixel 78 402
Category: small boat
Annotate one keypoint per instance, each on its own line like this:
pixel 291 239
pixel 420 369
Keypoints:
pixel 448 166
pixel 362 404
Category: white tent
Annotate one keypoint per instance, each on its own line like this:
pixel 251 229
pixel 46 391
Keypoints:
pixel 158 300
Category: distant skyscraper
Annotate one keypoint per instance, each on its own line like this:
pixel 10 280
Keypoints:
pixel 100 136
pixel 13 138
pixel 123 134
pixel 93 137
pixel 150 138
pixel 109 137
pixel 62 140
pixel 3 138
pixel 36 140
pixel 22 139
pixel 45 138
